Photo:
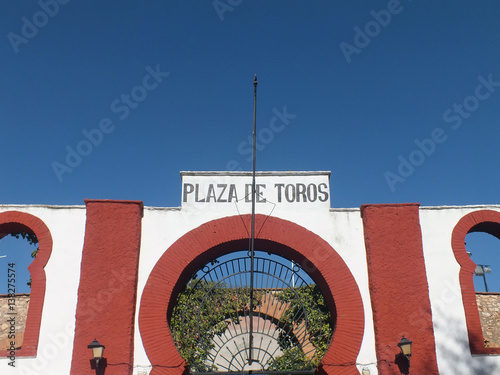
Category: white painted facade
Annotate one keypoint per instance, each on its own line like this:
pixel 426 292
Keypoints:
pixel 341 228
pixel 55 349
pixel 448 313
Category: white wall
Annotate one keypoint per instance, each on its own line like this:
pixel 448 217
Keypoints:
pixel 341 228
pixel 55 348
pixel 450 330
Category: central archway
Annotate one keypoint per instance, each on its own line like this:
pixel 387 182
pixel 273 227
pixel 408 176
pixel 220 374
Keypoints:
pixel 218 237
pixel 269 317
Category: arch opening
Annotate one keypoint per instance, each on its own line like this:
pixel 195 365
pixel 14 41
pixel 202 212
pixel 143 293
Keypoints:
pixel 222 322
pixel 485 221
pixel 221 236
pixel 12 222
pixel 17 251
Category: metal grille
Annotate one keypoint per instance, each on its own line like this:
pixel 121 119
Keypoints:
pixel 274 322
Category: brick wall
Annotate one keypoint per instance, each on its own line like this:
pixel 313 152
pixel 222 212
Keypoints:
pixel 489 313
pixel 21 312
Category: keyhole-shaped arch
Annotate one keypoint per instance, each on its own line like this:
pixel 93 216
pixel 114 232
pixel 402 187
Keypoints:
pixel 487 221
pixel 14 222
pixel 282 237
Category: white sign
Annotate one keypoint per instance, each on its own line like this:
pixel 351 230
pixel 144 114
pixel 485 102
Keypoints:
pixel 282 188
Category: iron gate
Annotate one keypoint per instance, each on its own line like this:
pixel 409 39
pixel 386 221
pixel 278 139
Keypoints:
pixel 232 317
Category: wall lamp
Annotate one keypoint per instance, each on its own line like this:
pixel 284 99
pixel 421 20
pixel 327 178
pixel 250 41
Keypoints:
pixel 365 371
pixel 405 346
pixel 97 351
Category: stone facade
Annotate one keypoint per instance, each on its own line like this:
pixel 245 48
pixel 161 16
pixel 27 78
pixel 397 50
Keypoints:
pixel 21 312
pixel 489 313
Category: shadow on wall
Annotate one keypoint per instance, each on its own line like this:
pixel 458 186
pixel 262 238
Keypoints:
pixel 453 352
pixel 402 363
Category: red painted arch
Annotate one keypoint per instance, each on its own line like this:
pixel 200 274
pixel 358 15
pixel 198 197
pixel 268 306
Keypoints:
pixel 191 251
pixel 487 221
pixel 15 221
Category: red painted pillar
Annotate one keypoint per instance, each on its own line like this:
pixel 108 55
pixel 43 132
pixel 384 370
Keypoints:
pixel 398 287
pixel 108 285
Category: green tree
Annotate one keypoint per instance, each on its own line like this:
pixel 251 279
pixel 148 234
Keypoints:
pixel 205 309
pixel 306 305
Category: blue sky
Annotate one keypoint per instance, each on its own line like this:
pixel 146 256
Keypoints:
pixel 400 100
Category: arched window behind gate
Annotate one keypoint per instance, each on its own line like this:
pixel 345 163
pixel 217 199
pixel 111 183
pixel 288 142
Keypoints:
pixel 221 323
pixel 17 251
pixel 16 222
pixel 484 249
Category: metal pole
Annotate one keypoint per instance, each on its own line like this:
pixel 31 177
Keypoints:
pixel 252 236
pixel 484 278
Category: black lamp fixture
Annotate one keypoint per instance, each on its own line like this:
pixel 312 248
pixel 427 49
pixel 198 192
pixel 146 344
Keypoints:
pixel 97 351
pixel 405 346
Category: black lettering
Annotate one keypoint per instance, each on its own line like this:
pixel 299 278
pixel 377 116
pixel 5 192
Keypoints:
pixel 312 192
pixel 279 186
pixel 301 191
pixel 290 192
pixel 232 193
pixel 324 194
pixel 211 193
pixel 260 198
pixel 248 192
pixel 223 187
pixel 188 189
pixel 197 190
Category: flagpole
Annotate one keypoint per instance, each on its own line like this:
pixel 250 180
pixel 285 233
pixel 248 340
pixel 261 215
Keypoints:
pixel 252 236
